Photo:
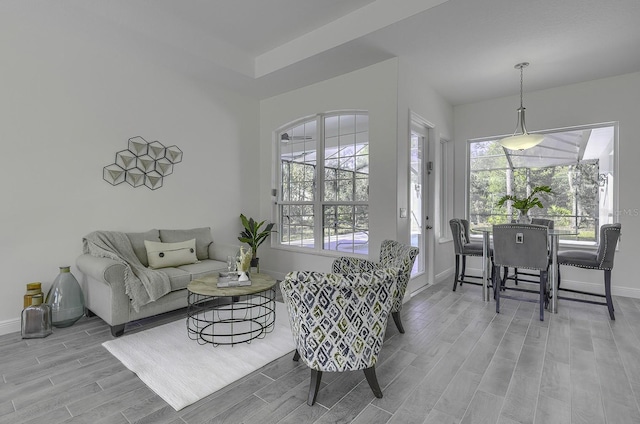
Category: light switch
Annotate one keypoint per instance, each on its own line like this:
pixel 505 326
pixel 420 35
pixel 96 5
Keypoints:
pixel 403 212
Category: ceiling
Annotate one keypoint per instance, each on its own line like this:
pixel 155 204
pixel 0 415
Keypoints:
pixel 466 49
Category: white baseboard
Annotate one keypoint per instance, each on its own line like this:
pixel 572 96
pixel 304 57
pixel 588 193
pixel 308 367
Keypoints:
pixel 10 326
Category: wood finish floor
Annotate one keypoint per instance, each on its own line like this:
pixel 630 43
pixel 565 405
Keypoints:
pixel 458 362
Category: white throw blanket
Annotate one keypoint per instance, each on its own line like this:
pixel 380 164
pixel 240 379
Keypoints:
pixel 142 285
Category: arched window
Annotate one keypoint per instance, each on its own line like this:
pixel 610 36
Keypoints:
pixel 323 178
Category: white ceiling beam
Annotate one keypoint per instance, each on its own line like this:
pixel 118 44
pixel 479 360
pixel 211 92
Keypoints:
pixel 356 24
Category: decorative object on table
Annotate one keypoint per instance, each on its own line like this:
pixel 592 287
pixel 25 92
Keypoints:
pixel 524 204
pixel 36 319
pixel 243 264
pixel 521 140
pixel 34 294
pixel 254 236
pixel 66 299
pixel 143 163
pixel 230 279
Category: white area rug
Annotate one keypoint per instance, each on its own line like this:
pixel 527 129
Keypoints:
pixel 181 371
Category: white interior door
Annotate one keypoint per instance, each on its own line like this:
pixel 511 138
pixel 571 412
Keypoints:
pixel 421 230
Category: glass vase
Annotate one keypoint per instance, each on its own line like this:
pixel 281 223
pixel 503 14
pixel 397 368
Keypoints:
pixel 66 299
pixel 523 217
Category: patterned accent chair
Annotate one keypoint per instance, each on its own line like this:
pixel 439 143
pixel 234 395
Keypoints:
pixel 393 254
pixel 602 259
pixel 338 321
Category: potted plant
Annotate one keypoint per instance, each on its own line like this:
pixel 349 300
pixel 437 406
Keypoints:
pixel 524 204
pixel 254 235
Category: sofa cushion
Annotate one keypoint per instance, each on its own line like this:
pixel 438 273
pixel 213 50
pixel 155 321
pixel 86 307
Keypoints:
pixel 163 255
pixel 202 268
pixel 137 242
pixel 178 278
pixel 202 235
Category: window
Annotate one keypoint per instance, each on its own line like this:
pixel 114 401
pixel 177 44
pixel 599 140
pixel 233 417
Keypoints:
pixel 579 164
pixel 324 172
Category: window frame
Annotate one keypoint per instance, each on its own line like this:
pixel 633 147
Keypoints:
pixel 319 203
pixel 446 186
pixel 578 244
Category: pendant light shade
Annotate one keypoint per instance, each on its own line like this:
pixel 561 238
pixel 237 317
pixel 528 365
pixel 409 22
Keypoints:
pixel 521 139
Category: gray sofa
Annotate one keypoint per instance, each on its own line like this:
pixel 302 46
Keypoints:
pixel 103 278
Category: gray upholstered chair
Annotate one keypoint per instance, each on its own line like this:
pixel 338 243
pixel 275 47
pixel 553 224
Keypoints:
pixel 516 273
pixel 462 248
pixel 393 254
pixel 338 321
pixel 602 259
pixel 521 246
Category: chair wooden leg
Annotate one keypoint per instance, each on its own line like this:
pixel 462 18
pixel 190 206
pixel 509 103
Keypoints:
pixel 456 275
pixel 464 268
pixel 370 373
pixel 558 279
pixel 543 294
pixel 296 356
pixel 607 291
pixel 496 293
pixel 398 321
pixel 314 386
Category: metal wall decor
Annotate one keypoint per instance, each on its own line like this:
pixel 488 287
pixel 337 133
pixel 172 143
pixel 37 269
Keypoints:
pixel 143 163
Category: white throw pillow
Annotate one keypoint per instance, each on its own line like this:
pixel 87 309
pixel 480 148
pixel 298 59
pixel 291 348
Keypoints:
pixel 163 255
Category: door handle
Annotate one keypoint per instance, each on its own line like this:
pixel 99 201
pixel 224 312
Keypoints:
pixel 429 227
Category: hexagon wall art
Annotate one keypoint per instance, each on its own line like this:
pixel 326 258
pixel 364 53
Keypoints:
pixel 142 164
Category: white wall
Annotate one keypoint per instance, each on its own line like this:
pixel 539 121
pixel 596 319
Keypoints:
pixel 373 89
pixel 605 100
pixel 69 102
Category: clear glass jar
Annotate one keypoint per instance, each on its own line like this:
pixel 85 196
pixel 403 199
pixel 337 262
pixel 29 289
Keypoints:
pixel 36 319
pixel 66 299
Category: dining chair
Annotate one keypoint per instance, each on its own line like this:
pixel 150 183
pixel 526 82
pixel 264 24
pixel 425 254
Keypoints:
pixel 338 321
pixel 516 277
pixel 601 259
pixel 463 247
pixel 521 246
pixel 393 254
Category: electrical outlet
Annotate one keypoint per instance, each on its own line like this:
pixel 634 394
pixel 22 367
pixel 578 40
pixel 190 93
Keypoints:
pixel 519 238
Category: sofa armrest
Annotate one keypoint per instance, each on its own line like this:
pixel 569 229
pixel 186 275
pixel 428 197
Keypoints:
pixel 104 270
pixel 220 251
pixel 102 281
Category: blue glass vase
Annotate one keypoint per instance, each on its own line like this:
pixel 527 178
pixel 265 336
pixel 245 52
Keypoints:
pixel 66 299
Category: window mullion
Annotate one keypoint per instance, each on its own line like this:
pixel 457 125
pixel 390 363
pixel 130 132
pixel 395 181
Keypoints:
pixel 319 185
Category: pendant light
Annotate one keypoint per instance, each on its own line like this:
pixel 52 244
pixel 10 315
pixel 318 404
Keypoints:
pixel 521 139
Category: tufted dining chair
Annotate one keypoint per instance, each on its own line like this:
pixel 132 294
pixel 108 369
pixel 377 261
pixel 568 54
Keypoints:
pixel 393 254
pixel 463 247
pixel 521 246
pixel 338 321
pixel 517 275
pixel 602 259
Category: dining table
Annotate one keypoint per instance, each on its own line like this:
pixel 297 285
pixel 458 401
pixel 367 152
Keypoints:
pixel 554 242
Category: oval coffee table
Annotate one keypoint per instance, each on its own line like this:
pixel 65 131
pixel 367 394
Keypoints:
pixel 230 315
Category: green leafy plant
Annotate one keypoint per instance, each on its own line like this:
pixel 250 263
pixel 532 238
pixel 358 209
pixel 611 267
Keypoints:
pixel 525 203
pixel 253 234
